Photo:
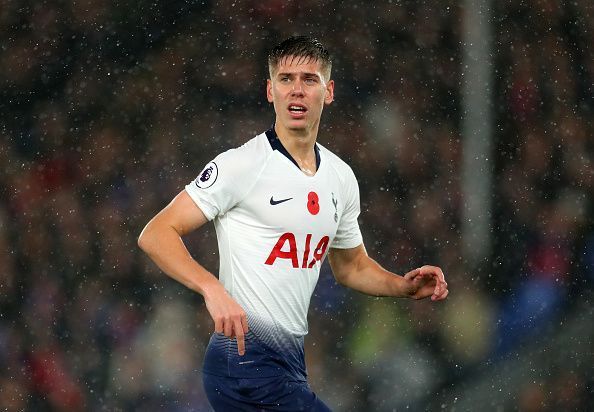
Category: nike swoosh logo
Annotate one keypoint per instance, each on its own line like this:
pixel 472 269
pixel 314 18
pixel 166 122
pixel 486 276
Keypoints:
pixel 276 202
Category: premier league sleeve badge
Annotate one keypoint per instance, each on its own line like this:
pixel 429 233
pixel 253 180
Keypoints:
pixel 208 176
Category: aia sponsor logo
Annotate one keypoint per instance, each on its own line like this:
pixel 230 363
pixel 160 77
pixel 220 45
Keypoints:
pixel 286 248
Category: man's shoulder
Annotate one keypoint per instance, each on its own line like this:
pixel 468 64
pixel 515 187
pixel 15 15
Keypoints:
pixel 253 150
pixel 336 162
pixel 257 145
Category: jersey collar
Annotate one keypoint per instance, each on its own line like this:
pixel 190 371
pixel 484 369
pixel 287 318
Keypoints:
pixel 276 144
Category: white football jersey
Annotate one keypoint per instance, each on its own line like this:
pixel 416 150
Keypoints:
pixel 274 226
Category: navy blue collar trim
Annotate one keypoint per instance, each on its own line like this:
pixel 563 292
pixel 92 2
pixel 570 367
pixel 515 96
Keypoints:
pixel 276 144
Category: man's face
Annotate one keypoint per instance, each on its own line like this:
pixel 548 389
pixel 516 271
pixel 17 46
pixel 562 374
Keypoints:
pixel 299 90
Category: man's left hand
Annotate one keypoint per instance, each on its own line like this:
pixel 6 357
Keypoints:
pixel 427 281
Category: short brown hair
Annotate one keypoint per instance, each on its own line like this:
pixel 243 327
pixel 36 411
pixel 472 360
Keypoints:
pixel 305 49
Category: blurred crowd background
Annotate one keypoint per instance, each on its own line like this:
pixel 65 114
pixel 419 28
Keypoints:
pixel 108 109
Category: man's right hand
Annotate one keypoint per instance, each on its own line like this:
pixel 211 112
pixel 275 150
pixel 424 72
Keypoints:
pixel 161 240
pixel 229 318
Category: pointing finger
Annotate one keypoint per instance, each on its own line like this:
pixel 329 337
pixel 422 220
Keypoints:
pixel 244 323
pixel 240 336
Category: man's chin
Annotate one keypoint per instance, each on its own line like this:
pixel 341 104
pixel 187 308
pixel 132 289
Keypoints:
pixel 298 130
pixel 296 125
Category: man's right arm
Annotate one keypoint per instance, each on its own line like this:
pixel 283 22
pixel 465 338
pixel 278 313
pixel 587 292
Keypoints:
pixel 161 240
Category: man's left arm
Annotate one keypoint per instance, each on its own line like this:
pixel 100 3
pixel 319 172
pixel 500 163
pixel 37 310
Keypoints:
pixel 353 268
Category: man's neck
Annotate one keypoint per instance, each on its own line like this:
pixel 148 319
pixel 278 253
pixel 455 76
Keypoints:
pixel 300 145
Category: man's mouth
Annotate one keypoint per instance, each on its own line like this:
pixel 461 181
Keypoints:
pixel 297 109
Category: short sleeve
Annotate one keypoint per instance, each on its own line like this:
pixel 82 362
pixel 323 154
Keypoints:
pixel 348 234
pixel 225 181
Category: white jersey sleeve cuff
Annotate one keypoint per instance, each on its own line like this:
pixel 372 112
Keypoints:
pixel 210 212
pixel 348 243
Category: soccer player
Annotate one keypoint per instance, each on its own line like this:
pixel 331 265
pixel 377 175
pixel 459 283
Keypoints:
pixel 280 203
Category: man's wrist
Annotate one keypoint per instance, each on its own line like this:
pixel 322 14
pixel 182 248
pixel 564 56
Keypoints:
pixel 210 288
pixel 404 287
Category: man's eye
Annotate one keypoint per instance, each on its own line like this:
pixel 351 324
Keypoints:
pixel 310 80
pixel 284 79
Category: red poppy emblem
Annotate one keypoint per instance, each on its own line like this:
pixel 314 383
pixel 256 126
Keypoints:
pixel 313 203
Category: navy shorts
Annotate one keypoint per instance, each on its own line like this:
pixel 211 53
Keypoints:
pixel 264 379
pixel 260 394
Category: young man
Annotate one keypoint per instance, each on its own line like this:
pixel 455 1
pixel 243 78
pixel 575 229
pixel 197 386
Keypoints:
pixel 280 203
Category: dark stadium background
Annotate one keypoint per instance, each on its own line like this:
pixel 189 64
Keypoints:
pixel 108 109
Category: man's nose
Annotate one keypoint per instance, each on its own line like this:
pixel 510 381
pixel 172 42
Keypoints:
pixel 297 87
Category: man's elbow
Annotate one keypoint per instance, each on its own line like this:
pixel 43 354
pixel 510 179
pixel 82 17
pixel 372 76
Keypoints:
pixel 145 240
pixel 141 242
pixel 341 281
pixel 341 270
pixel 341 278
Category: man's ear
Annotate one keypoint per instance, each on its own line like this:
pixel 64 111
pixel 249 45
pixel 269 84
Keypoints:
pixel 269 90
pixel 329 96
